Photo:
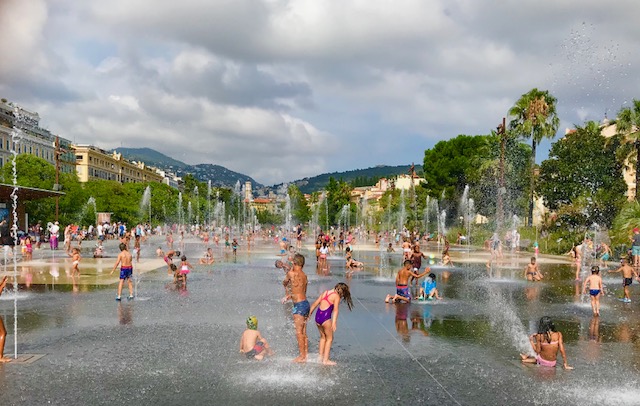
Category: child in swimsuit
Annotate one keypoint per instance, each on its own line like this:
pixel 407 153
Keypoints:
pixel 184 268
pixel 546 345
pixel 75 256
pixel 595 289
pixel 428 290
pixel 532 272
pixel 252 344
pixel 327 317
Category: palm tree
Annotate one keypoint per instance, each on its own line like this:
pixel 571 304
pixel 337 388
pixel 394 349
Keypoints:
pixel 534 116
pixel 628 125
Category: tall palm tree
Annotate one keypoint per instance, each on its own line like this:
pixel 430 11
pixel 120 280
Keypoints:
pixel 534 116
pixel 628 125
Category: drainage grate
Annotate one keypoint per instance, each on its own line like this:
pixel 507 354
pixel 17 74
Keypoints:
pixel 26 359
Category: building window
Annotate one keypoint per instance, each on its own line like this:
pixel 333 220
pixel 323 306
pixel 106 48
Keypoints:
pixel 78 157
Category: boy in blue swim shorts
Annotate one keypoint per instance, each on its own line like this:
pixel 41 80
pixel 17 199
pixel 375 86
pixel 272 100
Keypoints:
pixel 402 283
pixel 125 260
pixel 296 282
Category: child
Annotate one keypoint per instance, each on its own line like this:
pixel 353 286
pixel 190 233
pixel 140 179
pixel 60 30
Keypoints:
pixel 234 246
pixel 184 268
pixel 3 331
pixel 390 248
pixel 136 247
pixel 252 344
pixel 546 345
pixel 532 272
pixel 168 259
pixel 350 262
pixel 297 279
pixel 159 252
pixel 28 248
pixel 428 290
pixel 75 256
pixel 176 275
pixel 402 282
pixel 595 289
pixel 285 267
pixel 98 252
pixel 125 260
pixel 208 257
pixel 627 278
pixel 327 317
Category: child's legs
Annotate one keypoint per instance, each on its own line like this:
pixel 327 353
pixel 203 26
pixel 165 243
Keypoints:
pixel 593 303
pixel 328 340
pixel 120 285
pixel 321 342
pixel 130 285
pixel 597 303
pixel 626 292
pixel 301 335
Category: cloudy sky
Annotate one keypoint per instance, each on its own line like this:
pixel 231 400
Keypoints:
pixel 283 89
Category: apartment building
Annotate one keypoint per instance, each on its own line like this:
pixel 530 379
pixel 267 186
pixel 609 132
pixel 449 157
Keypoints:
pixel 93 163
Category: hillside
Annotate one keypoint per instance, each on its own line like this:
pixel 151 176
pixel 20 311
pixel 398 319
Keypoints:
pixel 219 175
pixel 362 177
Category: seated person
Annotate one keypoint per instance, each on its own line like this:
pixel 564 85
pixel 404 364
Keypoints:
pixel 350 262
pixel 252 344
pixel 98 252
pixel 208 257
pixel 159 253
pixel 428 290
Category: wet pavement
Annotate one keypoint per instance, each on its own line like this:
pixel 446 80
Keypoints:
pixel 173 346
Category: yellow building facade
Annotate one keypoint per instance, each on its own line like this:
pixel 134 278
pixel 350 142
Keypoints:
pixel 93 163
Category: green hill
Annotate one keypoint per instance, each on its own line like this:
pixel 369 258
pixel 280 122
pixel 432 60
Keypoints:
pixel 358 177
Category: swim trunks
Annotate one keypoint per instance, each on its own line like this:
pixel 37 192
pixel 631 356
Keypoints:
pixel 282 252
pixel 543 362
pixel 605 257
pixel 627 281
pixel 125 272
pixel 302 308
pixel 594 292
pixel 257 349
pixel 635 250
pixel 403 290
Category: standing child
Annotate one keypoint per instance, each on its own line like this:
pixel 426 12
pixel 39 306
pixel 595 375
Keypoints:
pixel 296 279
pixel 28 248
pixel 184 269
pixel 252 344
pixel 136 247
pixel 328 304
pixel 595 289
pixel 234 247
pixel 125 260
pixel 75 256
pixel 627 278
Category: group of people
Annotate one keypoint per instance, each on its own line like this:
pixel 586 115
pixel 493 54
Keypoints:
pixel 326 308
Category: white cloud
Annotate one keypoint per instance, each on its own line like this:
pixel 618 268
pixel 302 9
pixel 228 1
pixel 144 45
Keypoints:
pixel 282 89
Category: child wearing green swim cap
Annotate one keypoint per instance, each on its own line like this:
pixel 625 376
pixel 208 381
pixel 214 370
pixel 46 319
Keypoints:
pixel 252 344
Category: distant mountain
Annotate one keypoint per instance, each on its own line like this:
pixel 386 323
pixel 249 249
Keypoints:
pixel 219 175
pixel 360 177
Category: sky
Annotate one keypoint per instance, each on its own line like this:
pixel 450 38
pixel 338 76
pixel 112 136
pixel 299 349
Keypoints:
pixel 284 89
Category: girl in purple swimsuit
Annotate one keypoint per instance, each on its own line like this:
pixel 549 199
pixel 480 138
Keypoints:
pixel 327 317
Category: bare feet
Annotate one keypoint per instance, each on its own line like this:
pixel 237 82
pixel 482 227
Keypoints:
pixel 328 362
pixel 300 360
pixel 4 360
pixel 523 357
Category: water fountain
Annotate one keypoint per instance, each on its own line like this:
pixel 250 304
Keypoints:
pixel 145 203
pixel 189 214
pixel 88 211
pixel 197 201
pixel 403 212
pixel 16 136
pixel 179 209
pixel 209 221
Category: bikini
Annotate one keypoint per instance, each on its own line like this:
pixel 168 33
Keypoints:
pixel 324 315
pixel 543 362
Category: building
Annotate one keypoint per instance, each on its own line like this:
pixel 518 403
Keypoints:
pixel 93 163
pixel 609 130
pixel 34 140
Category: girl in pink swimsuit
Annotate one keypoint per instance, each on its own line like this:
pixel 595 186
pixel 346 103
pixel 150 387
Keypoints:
pixel 546 345
pixel 327 317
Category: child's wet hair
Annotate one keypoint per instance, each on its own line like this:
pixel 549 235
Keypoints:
pixel 342 289
pixel 595 269
pixel 183 258
pixel 173 267
pixel 298 259
pixel 432 276
pixel 122 246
